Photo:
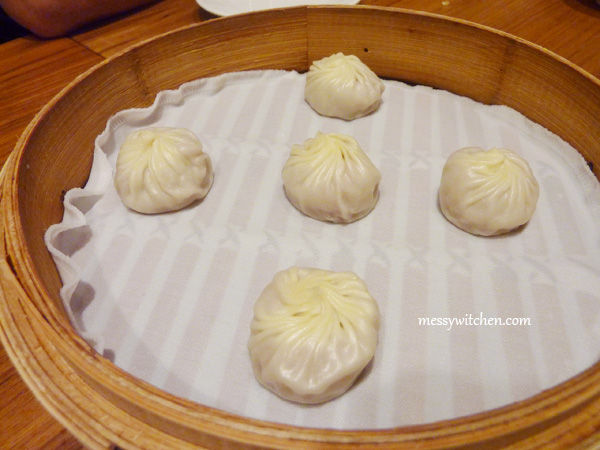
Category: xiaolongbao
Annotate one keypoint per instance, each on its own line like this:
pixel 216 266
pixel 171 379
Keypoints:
pixel 342 86
pixel 312 334
pixel 162 169
pixel 330 178
pixel 487 192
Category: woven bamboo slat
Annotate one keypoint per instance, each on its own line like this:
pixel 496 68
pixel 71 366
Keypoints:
pixel 102 405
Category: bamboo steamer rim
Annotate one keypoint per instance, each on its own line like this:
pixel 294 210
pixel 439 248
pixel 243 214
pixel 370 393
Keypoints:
pixel 102 405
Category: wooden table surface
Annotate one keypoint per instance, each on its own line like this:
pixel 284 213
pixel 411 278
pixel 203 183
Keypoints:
pixel 33 71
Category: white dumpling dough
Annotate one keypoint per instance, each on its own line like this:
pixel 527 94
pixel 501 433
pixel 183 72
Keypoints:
pixel 342 86
pixel 312 334
pixel 330 178
pixel 162 169
pixel 487 192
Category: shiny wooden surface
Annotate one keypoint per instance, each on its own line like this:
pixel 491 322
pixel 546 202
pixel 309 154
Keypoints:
pixel 32 71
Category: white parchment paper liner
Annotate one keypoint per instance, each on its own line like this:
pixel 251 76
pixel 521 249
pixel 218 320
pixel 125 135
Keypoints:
pixel 169 297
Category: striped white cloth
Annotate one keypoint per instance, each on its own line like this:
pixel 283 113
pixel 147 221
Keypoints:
pixel 169 297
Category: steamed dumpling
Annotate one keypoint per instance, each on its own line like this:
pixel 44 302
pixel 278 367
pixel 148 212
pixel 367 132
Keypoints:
pixel 487 192
pixel 162 169
pixel 342 86
pixel 330 178
pixel 312 334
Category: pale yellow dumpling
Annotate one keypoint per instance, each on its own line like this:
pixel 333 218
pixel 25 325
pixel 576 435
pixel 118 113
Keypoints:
pixel 313 333
pixel 162 169
pixel 487 192
pixel 330 178
pixel 342 86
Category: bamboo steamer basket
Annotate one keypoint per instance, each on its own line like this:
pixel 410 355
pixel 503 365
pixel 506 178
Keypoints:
pixel 105 407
